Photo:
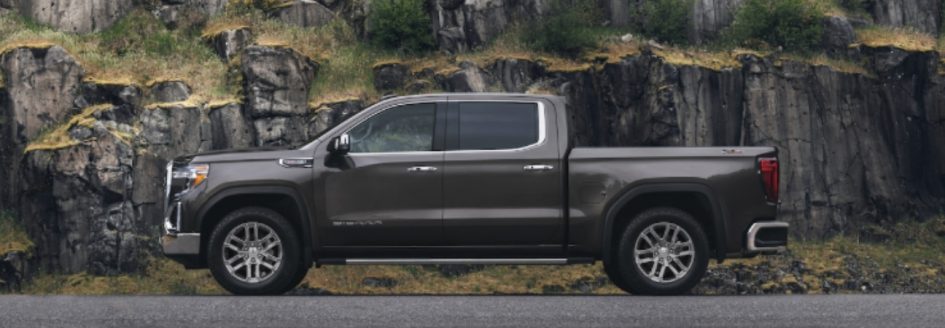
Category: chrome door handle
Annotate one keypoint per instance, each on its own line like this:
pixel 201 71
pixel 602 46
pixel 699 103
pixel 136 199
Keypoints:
pixel 422 169
pixel 538 168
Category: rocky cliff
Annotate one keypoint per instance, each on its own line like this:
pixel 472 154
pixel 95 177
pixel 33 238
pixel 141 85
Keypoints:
pixel 83 159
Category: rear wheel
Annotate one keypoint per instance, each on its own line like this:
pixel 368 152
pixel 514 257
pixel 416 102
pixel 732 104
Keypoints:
pixel 254 251
pixel 663 251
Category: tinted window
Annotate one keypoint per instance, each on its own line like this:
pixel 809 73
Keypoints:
pixel 398 129
pixel 494 125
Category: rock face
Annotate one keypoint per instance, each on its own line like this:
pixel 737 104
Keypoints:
pixel 838 34
pixel 79 200
pixel 923 15
pixel 329 114
pixel 709 17
pixel 618 12
pixel 229 43
pixel 276 84
pixel 170 91
pixel 41 86
pixel 230 128
pixel 76 16
pixel 390 76
pixel 305 13
pixel 464 25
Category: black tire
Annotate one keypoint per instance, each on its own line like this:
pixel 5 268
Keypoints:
pixel 629 276
pixel 285 277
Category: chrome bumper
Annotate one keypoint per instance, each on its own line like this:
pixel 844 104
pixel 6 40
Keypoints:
pixel 181 244
pixel 767 237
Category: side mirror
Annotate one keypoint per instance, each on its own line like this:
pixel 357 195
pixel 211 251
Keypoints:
pixel 340 145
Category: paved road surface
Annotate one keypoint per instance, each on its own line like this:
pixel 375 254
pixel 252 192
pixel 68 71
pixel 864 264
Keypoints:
pixel 474 311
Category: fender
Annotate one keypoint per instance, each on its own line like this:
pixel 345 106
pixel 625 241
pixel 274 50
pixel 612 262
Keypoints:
pixel 643 188
pixel 303 209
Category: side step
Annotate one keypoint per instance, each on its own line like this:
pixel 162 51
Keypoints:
pixel 424 261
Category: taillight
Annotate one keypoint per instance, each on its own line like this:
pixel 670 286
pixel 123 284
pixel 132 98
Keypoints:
pixel 768 166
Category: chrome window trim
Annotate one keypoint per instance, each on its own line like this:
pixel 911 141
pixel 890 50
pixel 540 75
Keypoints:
pixel 542 128
pixel 354 125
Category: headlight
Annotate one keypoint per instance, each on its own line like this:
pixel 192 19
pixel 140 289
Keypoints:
pixel 193 174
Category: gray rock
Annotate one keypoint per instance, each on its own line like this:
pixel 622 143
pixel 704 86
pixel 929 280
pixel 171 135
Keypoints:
pixel 170 91
pixel 276 81
pixel 281 131
pixel 305 13
pixel 77 202
pixel 838 34
pixel 230 128
pixel 922 15
pixel 76 16
pixel 460 28
pixel 390 76
pixel 710 17
pixel 379 282
pixel 166 132
pixel 470 78
pixel 41 84
pixel 330 114
pixel 14 267
pixel 228 44
pixel 618 13
pixel 126 95
pixel 516 75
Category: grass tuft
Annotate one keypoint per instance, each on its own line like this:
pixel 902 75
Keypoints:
pixel 13 237
pixel 902 38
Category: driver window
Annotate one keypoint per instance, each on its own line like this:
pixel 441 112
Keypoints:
pixel 399 129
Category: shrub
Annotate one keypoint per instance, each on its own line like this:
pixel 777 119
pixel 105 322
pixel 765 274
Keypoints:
pixel 790 24
pixel 668 20
pixel 853 5
pixel 400 24
pixel 567 29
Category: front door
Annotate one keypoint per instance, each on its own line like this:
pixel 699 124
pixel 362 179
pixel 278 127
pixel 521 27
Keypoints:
pixel 388 191
pixel 503 182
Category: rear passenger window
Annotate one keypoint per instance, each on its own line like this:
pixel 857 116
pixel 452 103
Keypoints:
pixel 496 125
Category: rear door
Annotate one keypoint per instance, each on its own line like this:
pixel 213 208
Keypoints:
pixel 502 184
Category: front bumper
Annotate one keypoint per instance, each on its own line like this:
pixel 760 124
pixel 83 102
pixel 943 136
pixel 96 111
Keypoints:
pixel 767 237
pixel 181 244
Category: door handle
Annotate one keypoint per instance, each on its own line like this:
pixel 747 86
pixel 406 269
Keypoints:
pixel 537 168
pixel 420 169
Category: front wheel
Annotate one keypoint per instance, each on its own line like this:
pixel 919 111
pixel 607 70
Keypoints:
pixel 254 251
pixel 663 251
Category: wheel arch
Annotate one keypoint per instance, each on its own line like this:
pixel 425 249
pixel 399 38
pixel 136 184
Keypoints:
pixel 694 197
pixel 284 200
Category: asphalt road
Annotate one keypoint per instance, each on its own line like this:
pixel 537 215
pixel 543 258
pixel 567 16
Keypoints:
pixel 474 311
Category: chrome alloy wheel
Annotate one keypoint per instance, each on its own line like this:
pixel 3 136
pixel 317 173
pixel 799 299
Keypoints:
pixel 252 252
pixel 664 252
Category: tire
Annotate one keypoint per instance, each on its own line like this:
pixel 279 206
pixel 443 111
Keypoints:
pixel 276 262
pixel 660 265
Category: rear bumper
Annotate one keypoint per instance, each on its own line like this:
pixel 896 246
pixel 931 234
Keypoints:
pixel 767 237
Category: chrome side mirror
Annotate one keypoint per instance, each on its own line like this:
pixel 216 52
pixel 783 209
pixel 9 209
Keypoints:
pixel 340 145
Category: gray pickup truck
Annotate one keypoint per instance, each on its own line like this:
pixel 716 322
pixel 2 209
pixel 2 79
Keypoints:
pixel 470 179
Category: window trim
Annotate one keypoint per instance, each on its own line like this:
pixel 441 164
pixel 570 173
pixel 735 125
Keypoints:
pixel 542 127
pixel 436 122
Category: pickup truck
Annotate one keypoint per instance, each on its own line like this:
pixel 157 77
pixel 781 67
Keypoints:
pixel 469 179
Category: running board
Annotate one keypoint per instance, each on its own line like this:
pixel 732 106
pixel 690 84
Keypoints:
pixel 423 261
